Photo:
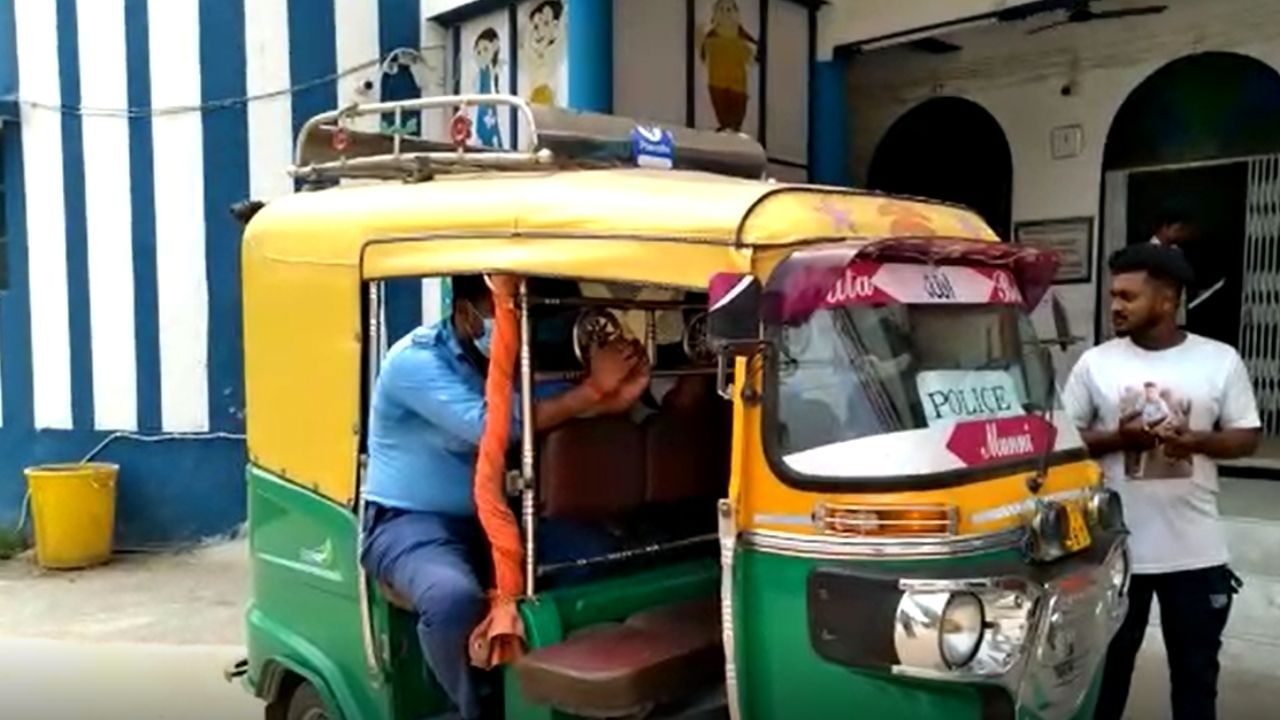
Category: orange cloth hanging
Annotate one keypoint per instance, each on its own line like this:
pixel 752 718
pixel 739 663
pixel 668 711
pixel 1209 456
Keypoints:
pixel 499 638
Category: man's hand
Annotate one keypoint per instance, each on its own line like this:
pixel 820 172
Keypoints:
pixel 1179 443
pixel 630 391
pixel 611 365
pixel 504 285
pixel 1134 435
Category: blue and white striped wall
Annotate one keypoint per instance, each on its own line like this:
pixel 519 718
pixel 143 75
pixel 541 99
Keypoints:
pixel 129 129
pixel 122 313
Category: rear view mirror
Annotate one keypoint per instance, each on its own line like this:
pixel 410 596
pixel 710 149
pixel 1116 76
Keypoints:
pixel 733 322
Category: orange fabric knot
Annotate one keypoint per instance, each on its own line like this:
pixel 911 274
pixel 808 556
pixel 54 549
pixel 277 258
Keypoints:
pixel 499 638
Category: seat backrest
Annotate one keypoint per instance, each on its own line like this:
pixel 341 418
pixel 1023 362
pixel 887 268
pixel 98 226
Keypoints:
pixel 687 448
pixel 592 469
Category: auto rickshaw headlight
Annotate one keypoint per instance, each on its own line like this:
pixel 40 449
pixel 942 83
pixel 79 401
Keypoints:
pixel 940 630
pixel 1106 511
pixel 961 632
pixel 979 629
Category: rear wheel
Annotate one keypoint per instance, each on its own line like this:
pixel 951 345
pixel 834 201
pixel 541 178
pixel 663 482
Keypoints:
pixel 306 704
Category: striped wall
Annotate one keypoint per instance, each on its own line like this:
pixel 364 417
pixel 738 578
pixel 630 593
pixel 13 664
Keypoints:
pixel 123 310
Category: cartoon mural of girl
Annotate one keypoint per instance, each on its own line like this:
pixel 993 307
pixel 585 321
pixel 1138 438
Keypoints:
pixel 544 41
pixel 728 50
pixel 487 47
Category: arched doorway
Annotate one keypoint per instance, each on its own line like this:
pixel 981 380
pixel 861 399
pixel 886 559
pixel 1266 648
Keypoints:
pixel 1198 138
pixel 950 149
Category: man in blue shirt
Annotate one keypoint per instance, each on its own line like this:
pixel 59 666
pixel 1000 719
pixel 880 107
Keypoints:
pixel 422 536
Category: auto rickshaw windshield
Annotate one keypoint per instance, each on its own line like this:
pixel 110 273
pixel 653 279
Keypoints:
pixel 855 383
pixel 902 369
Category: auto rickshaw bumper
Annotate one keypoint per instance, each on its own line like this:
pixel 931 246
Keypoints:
pixel 1035 634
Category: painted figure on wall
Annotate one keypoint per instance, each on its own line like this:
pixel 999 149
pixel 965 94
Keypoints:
pixel 544 46
pixel 728 51
pixel 488 57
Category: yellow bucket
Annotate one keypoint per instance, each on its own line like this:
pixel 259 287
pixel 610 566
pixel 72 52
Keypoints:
pixel 74 508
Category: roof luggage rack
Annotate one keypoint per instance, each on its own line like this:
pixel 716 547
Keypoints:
pixel 328 150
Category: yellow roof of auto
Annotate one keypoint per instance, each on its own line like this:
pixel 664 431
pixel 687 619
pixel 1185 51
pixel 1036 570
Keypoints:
pixel 634 205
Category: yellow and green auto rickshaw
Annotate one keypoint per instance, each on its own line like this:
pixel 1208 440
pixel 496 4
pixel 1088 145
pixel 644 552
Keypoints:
pixel 847 492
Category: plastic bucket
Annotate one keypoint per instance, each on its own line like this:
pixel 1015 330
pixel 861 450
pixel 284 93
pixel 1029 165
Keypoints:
pixel 74 509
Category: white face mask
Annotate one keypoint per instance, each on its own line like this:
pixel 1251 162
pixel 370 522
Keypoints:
pixel 484 341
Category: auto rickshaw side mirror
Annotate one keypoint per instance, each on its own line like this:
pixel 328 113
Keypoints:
pixel 733 321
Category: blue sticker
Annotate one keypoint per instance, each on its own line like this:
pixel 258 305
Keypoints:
pixel 653 147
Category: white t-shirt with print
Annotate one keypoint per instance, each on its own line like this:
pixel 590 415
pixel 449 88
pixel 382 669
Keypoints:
pixel 1171 506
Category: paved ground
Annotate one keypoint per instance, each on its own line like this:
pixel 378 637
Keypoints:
pixel 143 638
pixel 72 680
pixel 146 637
pixel 194 597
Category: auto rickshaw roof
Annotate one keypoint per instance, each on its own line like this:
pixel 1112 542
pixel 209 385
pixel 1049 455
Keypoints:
pixel 694 214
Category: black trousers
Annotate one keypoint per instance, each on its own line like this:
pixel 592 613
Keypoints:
pixel 1194 606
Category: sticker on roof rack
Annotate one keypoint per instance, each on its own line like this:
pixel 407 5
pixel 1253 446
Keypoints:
pixel 653 147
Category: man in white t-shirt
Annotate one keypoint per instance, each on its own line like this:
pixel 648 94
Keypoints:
pixel 1164 469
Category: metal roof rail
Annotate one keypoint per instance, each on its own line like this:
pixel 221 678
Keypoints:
pixel 327 149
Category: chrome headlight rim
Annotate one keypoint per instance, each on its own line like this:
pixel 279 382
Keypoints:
pixel 952 606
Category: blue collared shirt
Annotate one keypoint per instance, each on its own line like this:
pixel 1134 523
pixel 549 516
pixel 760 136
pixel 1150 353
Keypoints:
pixel 425 423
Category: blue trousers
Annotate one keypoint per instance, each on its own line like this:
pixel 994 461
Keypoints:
pixel 441 564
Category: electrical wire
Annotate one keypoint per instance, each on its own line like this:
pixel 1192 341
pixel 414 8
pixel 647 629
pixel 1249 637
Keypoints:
pixel 386 64
pixel 166 437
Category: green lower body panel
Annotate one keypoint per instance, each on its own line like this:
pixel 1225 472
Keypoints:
pixel 304 621
pixel 305 624
pixel 782 676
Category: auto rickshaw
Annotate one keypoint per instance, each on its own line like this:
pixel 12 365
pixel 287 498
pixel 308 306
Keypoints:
pixel 847 494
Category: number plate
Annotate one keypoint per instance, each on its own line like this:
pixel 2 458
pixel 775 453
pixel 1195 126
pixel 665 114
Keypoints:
pixel 1078 537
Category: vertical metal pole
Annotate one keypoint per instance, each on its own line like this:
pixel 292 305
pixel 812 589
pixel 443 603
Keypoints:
pixel 374 346
pixel 395 132
pixel 651 336
pixel 528 496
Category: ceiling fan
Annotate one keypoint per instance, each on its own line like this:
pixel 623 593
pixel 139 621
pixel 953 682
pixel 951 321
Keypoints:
pixel 1082 12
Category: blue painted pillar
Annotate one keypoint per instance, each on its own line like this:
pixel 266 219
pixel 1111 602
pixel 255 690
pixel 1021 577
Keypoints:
pixel 829 129
pixel 590 54
pixel 8 63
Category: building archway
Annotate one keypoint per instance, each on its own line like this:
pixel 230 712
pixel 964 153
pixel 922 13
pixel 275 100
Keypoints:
pixel 1199 137
pixel 951 149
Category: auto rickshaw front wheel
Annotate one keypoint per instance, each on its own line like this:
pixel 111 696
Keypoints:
pixel 306 704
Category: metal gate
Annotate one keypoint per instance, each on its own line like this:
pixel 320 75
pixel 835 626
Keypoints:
pixel 1260 304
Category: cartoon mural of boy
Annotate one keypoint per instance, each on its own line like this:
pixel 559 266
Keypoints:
pixel 487 55
pixel 544 41
pixel 728 50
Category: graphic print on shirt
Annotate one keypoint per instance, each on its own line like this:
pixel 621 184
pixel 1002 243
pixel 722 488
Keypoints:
pixel 1159 410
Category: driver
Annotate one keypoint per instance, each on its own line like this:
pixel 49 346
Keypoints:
pixel 422 536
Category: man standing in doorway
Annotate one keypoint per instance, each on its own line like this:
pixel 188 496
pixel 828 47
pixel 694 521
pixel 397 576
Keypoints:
pixel 1177 546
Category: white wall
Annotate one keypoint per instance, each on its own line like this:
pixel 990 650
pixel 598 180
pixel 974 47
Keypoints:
pixel 1019 80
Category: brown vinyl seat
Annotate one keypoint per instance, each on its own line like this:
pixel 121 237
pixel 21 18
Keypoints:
pixel 615 670
pixel 687 451
pixel 592 469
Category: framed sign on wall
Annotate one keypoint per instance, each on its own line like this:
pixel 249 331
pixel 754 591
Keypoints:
pixel 1072 238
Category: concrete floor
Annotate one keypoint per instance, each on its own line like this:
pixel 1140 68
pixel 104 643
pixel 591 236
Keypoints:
pixel 189 598
pixel 76 680
pixel 146 637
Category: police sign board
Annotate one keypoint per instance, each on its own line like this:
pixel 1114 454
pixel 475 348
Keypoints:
pixel 950 396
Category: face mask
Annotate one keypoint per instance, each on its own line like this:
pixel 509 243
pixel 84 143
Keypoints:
pixel 484 341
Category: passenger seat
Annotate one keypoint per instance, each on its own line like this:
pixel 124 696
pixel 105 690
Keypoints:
pixel 614 670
